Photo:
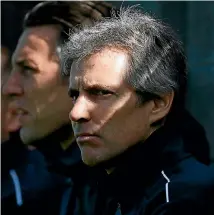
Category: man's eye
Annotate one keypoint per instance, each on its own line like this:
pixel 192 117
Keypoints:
pixel 100 92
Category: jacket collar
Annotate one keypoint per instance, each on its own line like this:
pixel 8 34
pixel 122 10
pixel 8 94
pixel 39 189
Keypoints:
pixel 142 164
pixel 57 157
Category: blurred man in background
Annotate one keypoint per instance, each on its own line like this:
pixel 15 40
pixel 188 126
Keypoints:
pixel 35 86
pixel 25 182
pixel 37 90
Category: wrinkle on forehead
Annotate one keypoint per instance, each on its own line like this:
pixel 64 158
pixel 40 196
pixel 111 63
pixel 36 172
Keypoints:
pixel 77 80
pixel 80 82
pixel 74 77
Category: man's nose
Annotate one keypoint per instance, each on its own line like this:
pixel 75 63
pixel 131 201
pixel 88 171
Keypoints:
pixel 13 85
pixel 80 111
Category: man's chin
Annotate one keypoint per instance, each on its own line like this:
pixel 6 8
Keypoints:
pixel 90 162
pixel 94 160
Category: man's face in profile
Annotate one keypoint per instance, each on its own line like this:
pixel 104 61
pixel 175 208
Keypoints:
pixel 9 120
pixel 106 116
pixel 35 85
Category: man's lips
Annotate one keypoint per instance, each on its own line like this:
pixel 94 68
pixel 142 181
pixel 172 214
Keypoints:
pixel 86 137
pixel 84 134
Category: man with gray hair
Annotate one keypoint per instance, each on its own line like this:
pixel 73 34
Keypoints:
pixel 128 79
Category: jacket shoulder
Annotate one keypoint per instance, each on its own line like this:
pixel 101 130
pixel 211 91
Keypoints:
pixel 189 189
pixel 193 174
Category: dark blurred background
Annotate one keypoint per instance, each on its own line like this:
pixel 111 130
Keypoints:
pixel 194 23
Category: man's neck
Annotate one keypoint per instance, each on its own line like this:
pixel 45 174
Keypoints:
pixel 111 165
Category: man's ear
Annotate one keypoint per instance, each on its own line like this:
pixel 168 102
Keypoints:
pixel 161 107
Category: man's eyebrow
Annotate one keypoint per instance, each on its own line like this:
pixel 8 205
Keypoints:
pixel 97 86
pixel 91 87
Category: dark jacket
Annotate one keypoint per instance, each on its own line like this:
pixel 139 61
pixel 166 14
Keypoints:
pixel 157 177
pixel 61 160
pixel 66 162
pixel 27 187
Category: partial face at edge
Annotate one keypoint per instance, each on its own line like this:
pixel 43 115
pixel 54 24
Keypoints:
pixel 9 120
pixel 106 118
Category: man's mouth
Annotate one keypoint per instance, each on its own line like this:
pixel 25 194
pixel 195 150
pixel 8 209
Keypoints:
pixel 86 137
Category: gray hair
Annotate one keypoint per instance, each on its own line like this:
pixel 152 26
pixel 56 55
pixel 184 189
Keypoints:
pixel 156 58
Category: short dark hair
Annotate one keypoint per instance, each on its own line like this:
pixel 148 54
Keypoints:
pixel 66 14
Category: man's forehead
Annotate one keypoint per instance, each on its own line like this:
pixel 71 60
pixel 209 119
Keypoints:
pixel 76 80
pixel 100 69
pixel 27 47
pixel 45 33
pixel 37 39
pixel 82 81
pixel 107 58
